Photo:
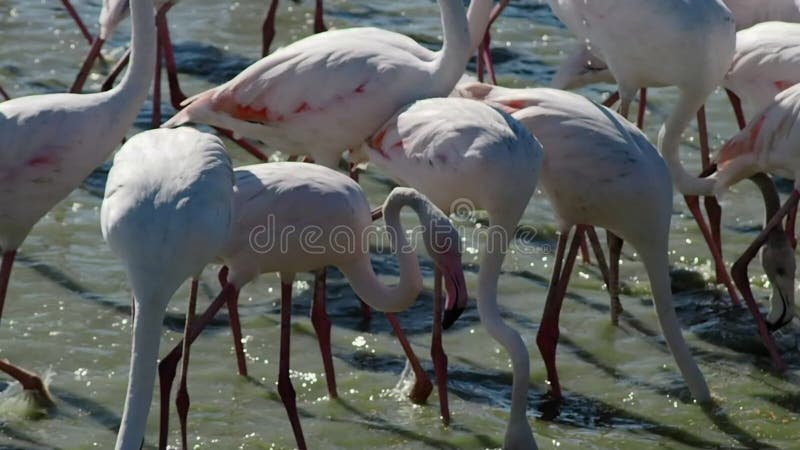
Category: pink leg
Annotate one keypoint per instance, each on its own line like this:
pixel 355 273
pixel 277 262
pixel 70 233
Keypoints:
pixel 437 352
pixel 322 326
pixel 487 56
pixel 614 252
pixel 116 70
pixel 739 272
pixel 236 326
pixel 584 248
pixel 268 28
pixel 319 23
pixel 598 253
pixel 182 399
pixel 156 116
pixel 77 18
pixel 642 108
pixel 547 337
pixel 4 94
pixel 736 104
pixel 285 388
pixel 236 332
pixel 176 95
pixel 480 63
pixel 791 219
pixel 694 207
pixel 29 381
pixel 169 364
pixel 5 276
pixel 422 387
pixel 613 98
pixel 86 67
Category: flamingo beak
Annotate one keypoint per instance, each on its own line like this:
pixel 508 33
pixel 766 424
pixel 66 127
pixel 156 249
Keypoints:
pixel 455 287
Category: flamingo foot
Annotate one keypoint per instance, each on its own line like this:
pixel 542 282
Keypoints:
pixel 33 386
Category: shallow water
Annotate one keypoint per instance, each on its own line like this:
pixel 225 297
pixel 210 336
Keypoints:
pixel 67 310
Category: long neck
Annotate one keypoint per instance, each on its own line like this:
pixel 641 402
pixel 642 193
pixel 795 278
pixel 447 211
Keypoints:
pixel 772 202
pixel 669 142
pixel 478 17
pixel 491 262
pixel 144 362
pixel 452 59
pixel 135 86
pixel 362 277
pixel 654 257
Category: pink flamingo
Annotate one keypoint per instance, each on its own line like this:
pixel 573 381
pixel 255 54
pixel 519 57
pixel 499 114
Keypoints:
pixel 595 160
pixel 328 92
pixel 462 152
pixel 336 210
pixel 167 212
pixel 52 142
pixel 768 144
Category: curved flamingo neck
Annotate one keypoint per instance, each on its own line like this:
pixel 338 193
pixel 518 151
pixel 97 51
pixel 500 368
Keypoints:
pixel 361 274
pixel 491 262
pixel 656 263
pixel 478 18
pixel 133 89
pixel 141 381
pixel 455 52
pixel 669 142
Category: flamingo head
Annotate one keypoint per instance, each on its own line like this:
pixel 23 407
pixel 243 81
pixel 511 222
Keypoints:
pixel 777 259
pixel 443 244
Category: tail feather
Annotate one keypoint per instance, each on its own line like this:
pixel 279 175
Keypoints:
pixel 189 108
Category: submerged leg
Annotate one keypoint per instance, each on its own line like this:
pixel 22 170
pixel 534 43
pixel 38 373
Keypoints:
pixel 614 252
pixel 422 385
pixel 547 337
pixel 285 388
pixel 182 399
pixel 437 351
pixel 322 326
pixel 694 207
pixel 169 364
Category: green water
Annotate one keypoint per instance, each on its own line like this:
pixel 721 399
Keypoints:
pixel 67 307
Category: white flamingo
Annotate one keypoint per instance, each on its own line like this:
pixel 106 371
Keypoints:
pixel 594 161
pixel 52 142
pixel 167 212
pixel 326 93
pixel 335 209
pixel 456 150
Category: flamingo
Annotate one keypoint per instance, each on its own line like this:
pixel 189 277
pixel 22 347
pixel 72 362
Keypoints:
pixel 595 160
pixel 52 142
pixel 335 209
pixel 167 212
pixel 328 92
pixel 750 12
pixel 766 59
pixel 767 144
pixel 442 146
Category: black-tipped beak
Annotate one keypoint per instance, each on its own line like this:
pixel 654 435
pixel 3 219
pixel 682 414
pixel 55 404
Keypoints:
pixel 456 300
pixel 450 317
pixel 785 317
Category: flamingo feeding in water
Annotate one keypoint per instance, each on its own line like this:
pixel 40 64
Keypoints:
pixel 594 161
pixel 328 92
pixel 52 142
pixel 335 208
pixel 441 146
pixel 167 212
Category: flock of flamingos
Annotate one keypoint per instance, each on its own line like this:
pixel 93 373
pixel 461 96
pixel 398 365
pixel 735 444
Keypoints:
pixel 174 203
